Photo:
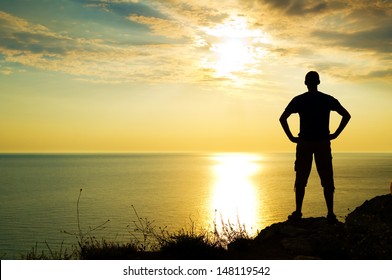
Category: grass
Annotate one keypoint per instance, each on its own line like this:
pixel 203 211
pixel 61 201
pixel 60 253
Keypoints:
pixel 149 242
pixel 49 254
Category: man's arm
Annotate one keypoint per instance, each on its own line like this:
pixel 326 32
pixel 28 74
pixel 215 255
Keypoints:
pixel 343 122
pixel 283 121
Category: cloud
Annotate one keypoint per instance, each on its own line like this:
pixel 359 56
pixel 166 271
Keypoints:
pixel 15 23
pixel 37 46
pixel 298 7
pixel 5 70
pixel 348 39
pixel 19 34
pixel 363 30
pixel 122 8
pixel 162 27
pixel 381 74
pixel 377 39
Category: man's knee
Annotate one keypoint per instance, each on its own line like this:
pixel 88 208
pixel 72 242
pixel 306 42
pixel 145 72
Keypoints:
pixel 299 186
pixel 329 188
pixel 327 182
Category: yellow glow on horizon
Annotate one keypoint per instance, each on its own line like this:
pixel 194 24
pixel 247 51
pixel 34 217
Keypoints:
pixel 235 195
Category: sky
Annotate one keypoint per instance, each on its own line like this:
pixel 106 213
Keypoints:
pixel 194 75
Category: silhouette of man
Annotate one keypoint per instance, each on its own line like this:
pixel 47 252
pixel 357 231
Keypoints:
pixel 314 138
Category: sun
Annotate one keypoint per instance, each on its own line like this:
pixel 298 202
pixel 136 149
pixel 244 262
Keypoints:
pixel 232 55
pixel 234 48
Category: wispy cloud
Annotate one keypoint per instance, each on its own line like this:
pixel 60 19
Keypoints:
pixel 37 46
pixel 298 7
pixel 163 27
pixel 20 35
pixel 376 39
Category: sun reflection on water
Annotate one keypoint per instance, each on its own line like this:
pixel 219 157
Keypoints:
pixel 234 197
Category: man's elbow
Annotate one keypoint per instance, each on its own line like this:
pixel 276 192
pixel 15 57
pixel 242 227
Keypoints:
pixel 347 116
pixel 283 121
pixel 283 117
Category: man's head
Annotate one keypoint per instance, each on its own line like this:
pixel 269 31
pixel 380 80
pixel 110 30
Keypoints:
pixel 312 79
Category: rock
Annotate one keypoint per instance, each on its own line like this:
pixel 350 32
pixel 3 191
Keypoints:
pixel 310 238
pixel 369 229
pixel 366 234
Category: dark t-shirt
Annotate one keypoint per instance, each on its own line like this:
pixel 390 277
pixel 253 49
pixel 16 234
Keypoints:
pixel 314 109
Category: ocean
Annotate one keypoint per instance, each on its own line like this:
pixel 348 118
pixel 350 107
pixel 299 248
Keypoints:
pixel 39 193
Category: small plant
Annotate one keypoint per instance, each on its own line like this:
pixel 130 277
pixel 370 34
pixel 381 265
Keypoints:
pixel 229 232
pixel 144 234
pixel 62 254
pixel 85 237
pixel 191 245
pixel 186 243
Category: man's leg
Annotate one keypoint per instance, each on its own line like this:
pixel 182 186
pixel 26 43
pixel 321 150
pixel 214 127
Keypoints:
pixel 303 166
pixel 323 159
pixel 328 195
pixel 299 198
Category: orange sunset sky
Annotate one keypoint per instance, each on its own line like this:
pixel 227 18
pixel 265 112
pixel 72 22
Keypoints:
pixel 128 75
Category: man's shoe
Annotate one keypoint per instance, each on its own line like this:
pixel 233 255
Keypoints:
pixel 331 219
pixel 295 216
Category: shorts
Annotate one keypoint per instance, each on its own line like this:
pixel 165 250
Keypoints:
pixel 323 158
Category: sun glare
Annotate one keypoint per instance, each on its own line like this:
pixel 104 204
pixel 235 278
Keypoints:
pixel 235 48
pixel 235 195
pixel 232 56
